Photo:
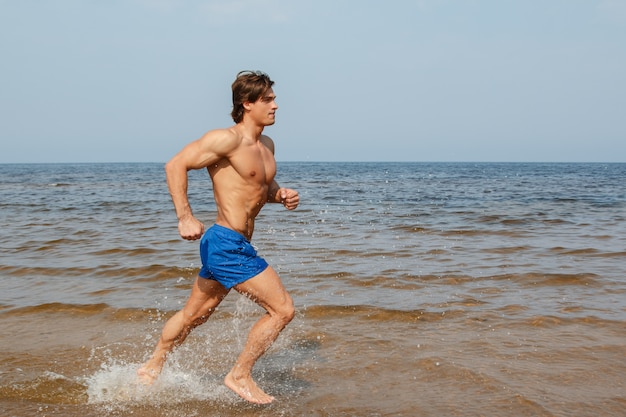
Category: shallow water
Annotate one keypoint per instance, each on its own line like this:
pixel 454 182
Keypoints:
pixel 421 289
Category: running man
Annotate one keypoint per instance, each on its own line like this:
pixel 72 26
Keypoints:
pixel 240 161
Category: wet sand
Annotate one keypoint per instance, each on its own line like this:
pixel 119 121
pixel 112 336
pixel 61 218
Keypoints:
pixel 343 361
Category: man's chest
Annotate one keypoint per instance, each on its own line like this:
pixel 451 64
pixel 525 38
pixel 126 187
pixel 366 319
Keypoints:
pixel 255 165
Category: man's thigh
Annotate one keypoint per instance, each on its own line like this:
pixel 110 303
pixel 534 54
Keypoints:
pixel 206 295
pixel 267 290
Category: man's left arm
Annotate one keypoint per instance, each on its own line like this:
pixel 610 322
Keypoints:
pixel 275 194
pixel 285 196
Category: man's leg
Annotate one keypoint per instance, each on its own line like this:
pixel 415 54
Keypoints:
pixel 205 296
pixel 266 290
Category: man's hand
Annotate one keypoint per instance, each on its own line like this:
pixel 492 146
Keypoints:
pixel 190 228
pixel 289 198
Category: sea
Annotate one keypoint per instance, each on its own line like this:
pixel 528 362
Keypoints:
pixel 421 289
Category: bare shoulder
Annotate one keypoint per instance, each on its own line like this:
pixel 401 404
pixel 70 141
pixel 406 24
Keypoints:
pixel 268 142
pixel 220 141
pixel 210 148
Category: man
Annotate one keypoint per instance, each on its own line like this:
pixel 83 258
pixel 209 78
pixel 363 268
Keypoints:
pixel 240 161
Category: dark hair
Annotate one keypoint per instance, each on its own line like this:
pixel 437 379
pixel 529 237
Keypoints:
pixel 249 86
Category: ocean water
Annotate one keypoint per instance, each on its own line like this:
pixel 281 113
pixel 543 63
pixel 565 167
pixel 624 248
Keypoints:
pixel 421 289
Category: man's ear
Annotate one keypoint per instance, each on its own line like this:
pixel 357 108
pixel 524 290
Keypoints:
pixel 247 105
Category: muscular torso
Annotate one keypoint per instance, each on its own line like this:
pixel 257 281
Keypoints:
pixel 241 183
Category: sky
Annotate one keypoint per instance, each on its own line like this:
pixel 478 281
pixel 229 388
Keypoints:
pixel 394 80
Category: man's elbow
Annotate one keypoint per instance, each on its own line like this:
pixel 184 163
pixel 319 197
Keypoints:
pixel 174 165
pixel 168 166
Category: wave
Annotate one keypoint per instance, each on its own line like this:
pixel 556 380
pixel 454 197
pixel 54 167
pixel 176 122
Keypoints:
pixel 47 308
pixel 149 273
pixel 526 279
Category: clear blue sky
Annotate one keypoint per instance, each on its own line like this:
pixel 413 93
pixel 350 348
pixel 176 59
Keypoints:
pixel 421 80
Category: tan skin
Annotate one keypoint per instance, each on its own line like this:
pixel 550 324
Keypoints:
pixel 240 161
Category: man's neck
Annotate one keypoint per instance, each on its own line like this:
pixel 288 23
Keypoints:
pixel 250 129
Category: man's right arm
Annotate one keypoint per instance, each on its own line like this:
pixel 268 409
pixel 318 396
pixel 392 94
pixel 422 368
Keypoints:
pixel 201 153
pixel 189 227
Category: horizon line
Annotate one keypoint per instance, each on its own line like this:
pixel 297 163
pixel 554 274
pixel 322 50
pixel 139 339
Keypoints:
pixel 338 162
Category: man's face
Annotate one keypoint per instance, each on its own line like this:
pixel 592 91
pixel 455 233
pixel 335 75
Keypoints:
pixel 263 111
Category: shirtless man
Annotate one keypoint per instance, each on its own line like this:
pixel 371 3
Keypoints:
pixel 240 161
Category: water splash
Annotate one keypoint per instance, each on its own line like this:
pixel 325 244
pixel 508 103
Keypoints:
pixel 117 385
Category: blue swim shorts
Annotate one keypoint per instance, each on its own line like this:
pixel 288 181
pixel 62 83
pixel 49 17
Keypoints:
pixel 228 257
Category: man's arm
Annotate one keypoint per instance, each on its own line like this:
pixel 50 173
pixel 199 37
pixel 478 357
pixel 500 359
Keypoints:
pixel 285 196
pixel 201 153
pixel 275 194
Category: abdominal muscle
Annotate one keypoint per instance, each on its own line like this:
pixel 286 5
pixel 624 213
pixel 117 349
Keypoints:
pixel 238 202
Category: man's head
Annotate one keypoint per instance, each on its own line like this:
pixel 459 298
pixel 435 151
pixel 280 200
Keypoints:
pixel 249 87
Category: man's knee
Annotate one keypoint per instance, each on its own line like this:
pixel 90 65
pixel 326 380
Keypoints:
pixel 287 311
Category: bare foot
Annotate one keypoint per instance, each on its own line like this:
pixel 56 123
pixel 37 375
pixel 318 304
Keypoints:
pixel 247 389
pixel 147 375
